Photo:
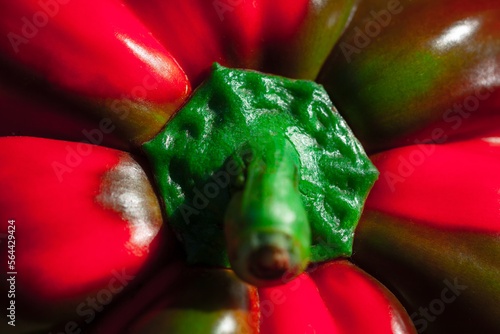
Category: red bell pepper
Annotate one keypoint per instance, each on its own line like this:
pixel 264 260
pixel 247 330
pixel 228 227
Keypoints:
pixel 113 64
pixel 409 72
pixel 133 67
pixel 121 65
pixel 76 237
pixel 22 116
pixel 430 231
pixel 289 38
pixel 336 297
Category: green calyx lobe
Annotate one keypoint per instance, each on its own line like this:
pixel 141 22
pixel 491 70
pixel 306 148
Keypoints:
pixel 260 161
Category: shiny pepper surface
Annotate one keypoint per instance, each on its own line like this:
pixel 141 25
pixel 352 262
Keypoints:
pixel 286 163
pixel 417 81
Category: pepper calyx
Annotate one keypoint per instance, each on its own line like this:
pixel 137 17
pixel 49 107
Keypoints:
pixel 199 167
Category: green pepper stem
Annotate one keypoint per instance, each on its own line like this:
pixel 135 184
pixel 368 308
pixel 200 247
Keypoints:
pixel 266 225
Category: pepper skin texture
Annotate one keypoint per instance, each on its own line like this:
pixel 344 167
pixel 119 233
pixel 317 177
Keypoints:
pixel 84 224
pixel 113 64
pixel 287 38
pixel 22 116
pixel 429 76
pixel 422 237
pixel 335 286
pixel 122 66
pixel 321 300
pixel 259 156
pixel 430 72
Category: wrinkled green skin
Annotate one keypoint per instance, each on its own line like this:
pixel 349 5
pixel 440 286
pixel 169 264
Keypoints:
pixel 246 140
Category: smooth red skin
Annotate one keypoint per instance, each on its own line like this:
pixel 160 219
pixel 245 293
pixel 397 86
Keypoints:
pixel 336 297
pixel 418 262
pixel 30 111
pixel 198 32
pixel 295 308
pixel 67 244
pixel 351 292
pixel 439 223
pixel 453 186
pixel 95 48
pixel 239 33
pixel 116 58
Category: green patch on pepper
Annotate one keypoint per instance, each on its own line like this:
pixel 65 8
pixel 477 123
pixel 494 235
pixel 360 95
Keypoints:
pixel 260 139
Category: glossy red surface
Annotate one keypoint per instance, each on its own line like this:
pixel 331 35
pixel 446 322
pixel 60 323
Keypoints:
pixel 358 302
pixel 430 232
pixel 68 243
pixel 295 308
pixel 333 298
pixel 102 49
pixel 453 186
pixel 233 33
pixel 336 297
pixel 427 71
pixel 128 60
pixel 106 50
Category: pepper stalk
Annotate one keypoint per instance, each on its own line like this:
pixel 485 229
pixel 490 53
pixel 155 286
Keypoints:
pixel 296 176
